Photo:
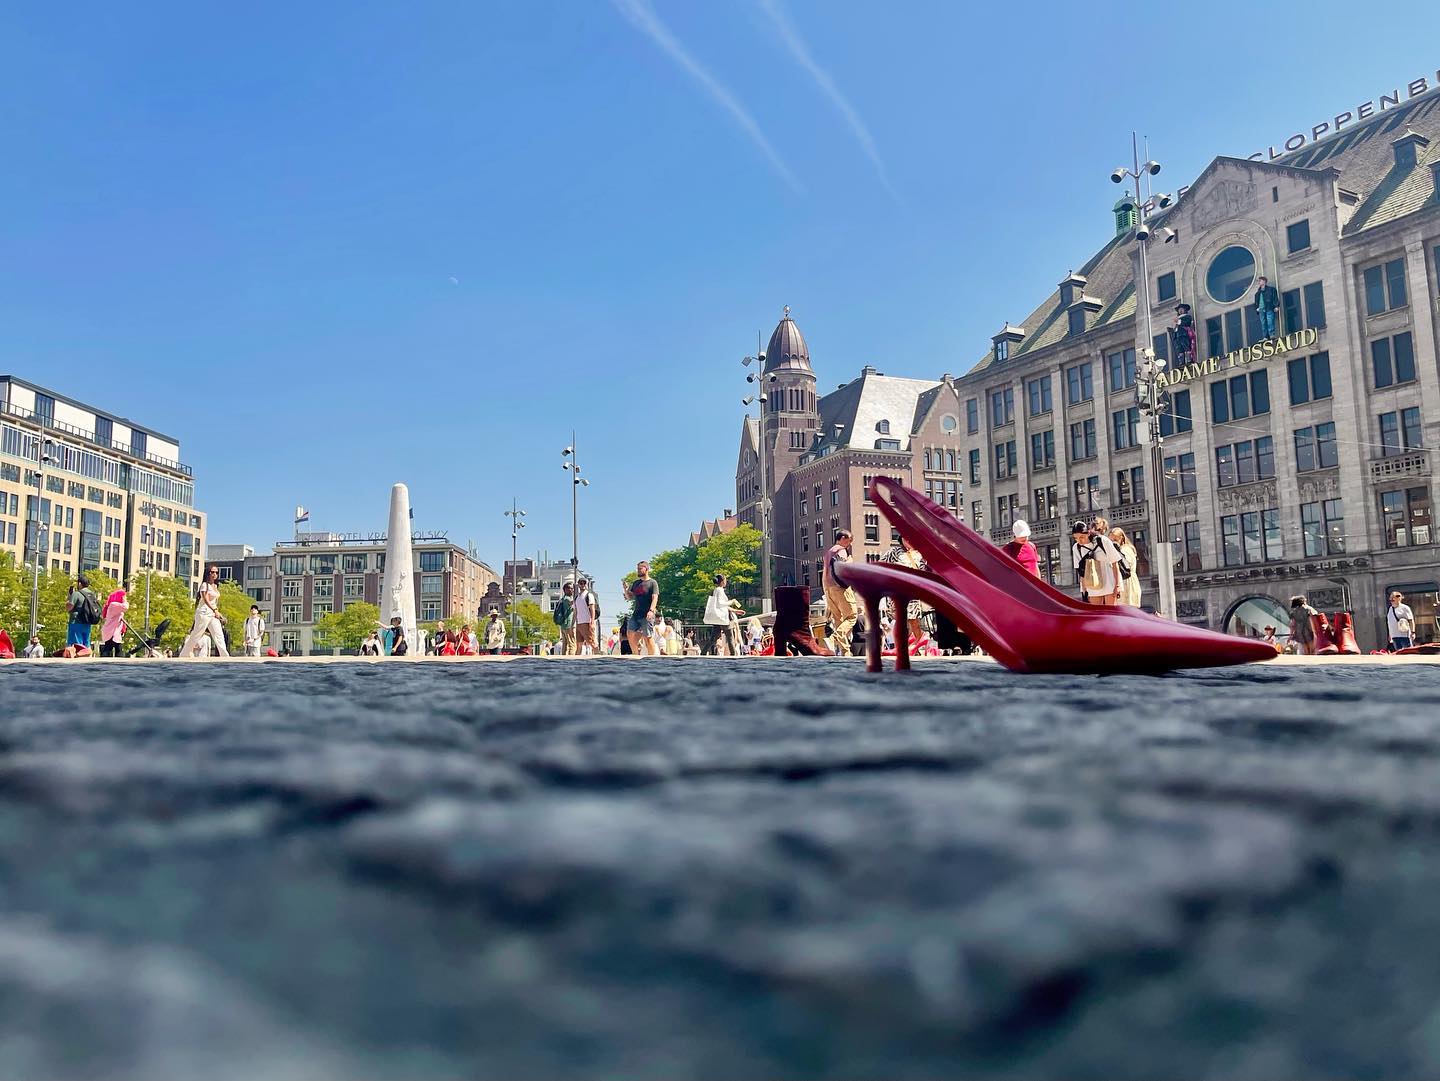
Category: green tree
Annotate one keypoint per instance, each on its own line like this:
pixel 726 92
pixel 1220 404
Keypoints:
pixel 234 604
pixel 14 600
pixel 347 628
pixel 532 625
pixel 170 598
pixel 736 555
pixel 685 576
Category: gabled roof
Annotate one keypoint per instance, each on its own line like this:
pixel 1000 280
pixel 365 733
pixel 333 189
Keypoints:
pixel 1107 278
pixel 925 403
pixel 713 528
pixel 859 407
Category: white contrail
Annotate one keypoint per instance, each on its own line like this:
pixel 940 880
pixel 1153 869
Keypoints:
pixel 798 49
pixel 644 19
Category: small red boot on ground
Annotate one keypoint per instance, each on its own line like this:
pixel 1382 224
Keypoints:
pixel 792 623
pixel 1324 637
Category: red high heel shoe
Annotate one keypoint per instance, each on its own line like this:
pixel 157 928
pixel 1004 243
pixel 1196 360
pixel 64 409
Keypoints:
pixel 1023 622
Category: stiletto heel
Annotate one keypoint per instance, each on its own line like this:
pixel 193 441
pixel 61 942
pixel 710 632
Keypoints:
pixel 1025 623
pixel 902 634
pixel 873 660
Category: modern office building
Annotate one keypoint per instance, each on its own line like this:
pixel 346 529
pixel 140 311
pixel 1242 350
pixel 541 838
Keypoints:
pixel 113 495
pixel 317 573
pixel 229 560
pixel 1299 457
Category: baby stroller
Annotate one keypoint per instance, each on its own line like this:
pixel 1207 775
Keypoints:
pixel 148 646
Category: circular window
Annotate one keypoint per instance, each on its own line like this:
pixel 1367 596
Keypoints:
pixel 949 423
pixel 1231 274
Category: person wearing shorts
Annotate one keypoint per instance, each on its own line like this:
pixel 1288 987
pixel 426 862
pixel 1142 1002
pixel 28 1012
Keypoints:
pixel 585 611
pixel 640 624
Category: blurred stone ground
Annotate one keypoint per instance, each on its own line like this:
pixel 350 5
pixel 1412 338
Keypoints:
pixel 717 869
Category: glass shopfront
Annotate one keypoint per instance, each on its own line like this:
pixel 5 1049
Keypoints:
pixel 1422 598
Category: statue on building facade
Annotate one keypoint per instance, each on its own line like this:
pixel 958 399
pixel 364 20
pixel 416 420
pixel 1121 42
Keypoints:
pixel 1182 335
pixel 1267 302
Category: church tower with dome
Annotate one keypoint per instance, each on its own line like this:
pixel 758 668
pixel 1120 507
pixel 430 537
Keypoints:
pixel 790 420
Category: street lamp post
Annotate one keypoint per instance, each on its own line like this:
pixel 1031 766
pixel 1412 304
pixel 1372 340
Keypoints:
pixel 572 466
pixel 148 561
pixel 1149 391
pixel 40 532
pixel 517 523
pixel 760 397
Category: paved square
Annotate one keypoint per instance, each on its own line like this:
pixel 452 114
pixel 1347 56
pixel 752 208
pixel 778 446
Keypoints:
pixel 717 868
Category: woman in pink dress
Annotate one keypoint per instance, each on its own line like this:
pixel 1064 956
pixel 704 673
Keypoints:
pixel 112 624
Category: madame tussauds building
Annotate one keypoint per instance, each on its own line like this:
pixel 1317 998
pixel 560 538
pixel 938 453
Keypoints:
pixel 1296 303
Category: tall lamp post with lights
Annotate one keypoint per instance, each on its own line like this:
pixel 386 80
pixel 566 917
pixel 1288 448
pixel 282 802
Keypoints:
pixel 147 560
pixel 46 447
pixel 758 378
pixel 517 523
pixel 1150 393
pixel 572 466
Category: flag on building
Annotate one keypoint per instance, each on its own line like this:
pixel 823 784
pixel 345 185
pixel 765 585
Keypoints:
pixel 301 515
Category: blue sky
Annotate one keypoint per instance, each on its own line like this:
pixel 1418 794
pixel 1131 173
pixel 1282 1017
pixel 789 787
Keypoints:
pixel 335 245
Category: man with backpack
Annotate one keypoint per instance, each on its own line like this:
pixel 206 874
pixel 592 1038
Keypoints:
pixel 564 616
pixel 84 609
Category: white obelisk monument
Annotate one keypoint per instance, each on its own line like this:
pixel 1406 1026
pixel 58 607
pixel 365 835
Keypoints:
pixel 397 598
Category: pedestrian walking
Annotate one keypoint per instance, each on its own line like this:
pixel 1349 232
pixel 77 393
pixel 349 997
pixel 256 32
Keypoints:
pixel 394 641
pixel 209 623
pixel 495 633
pixel 1020 549
pixel 1127 568
pixel 905 554
pixel 840 601
pixel 437 640
pixel 723 614
pixel 1094 557
pixel 84 612
pixel 564 616
pixel 253 635
pixel 645 601
pixel 112 625
pixel 1400 620
pixel 1302 626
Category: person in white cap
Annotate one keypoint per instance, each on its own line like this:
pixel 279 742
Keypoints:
pixel 1021 550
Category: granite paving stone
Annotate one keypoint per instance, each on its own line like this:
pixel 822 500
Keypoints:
pixel 717 868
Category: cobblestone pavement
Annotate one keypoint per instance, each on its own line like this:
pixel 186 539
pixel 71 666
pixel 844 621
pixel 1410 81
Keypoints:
pixel 717 869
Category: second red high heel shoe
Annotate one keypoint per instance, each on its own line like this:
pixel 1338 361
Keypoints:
pixel 1025 623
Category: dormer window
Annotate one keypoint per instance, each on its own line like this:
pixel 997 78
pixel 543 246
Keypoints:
pixel 887 444
pixel 1077 320
pixel 1071 289
pixel 1407 149
pixel 1007 337
pixel 883 427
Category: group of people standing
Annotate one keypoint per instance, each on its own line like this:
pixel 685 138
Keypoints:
pixel 577 614
pixel 1105 563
